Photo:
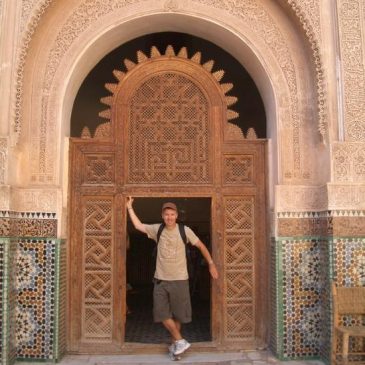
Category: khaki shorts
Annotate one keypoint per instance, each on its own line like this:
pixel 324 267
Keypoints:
pixel 171 299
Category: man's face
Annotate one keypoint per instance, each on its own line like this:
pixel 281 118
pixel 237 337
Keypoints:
pixel 169 216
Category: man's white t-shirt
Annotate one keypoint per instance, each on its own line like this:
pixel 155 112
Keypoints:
pixel 171 257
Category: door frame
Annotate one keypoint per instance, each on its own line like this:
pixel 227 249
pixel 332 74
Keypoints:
pixel 229 154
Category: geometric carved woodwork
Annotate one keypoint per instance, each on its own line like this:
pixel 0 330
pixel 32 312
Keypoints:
pixel 169 132
pixel 168 118
pixel 169 52
pixel 237 169
pixel 99 169
pixel 239 267
pixel 97 300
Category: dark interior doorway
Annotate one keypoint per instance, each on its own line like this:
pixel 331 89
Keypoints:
pixel 140 328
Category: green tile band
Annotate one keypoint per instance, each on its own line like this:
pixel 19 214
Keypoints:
pixel 8 349
pixel 60 301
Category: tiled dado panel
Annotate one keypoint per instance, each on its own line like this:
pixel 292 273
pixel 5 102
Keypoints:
pixel 335 242
pixel 7 301
pixel 349 270
pixel 300 279
pixel 275 296
pixel 37 305
pixel 40 310
pixel 349 261
pixel 28 224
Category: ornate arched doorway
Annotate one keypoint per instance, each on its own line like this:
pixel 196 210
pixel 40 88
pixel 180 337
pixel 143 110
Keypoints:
pixel 167 135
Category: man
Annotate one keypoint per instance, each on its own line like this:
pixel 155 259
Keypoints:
pixel 171 296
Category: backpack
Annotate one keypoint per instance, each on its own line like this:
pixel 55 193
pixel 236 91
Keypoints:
pixel 189 261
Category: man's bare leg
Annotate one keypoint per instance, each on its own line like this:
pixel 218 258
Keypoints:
pixel 174 327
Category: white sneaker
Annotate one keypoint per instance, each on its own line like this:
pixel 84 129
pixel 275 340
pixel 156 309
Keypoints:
pixel 181 346
pixel 172 348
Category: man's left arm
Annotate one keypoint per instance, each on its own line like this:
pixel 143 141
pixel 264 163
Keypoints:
pixel 203 249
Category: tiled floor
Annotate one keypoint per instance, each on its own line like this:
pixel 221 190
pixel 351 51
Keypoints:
pixel 209 358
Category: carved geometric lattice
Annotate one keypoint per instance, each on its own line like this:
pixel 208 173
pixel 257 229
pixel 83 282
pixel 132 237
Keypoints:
pixel 97 274
pixel 239 264
pixel 238 169
pixel 169 132
pixel 99 169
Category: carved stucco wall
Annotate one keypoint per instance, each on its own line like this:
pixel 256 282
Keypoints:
pixel 347 190
pixel 308 12
pixel 3 159
pixel 293 134
pixel 351 15
pixel 31 13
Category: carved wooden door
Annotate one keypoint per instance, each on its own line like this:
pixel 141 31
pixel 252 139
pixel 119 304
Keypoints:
pixel 167 134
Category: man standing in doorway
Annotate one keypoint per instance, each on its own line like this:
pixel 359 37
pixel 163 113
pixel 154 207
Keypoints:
pixel 171 296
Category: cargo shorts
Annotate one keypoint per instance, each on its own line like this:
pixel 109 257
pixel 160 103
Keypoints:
pixel 171 299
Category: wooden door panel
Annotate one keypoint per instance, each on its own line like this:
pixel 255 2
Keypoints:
pixel 168 134
pixel 168 140
pixel 97 278
pixel 95 289
pixel 239 274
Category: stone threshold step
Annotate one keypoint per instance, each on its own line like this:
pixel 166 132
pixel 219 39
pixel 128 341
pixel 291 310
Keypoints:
pixel 189 358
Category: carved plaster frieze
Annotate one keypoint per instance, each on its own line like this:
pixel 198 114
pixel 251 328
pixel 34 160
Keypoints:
pixel 308 13
pixel 338 199
pixel 333 225
pixel 35 200
pixel 351 15
pixel 171 5
pixel 4 197
pixel 346 196
pixel 3 159
pixel 294 227
pixel 348 160
pixel 88 11
pixel 348 226
pixel 297 198
pixel 32 11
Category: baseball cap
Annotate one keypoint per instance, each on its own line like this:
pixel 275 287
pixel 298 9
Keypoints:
pixel 170 206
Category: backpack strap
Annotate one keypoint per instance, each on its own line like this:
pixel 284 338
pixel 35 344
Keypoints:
pixel 181 230
pixel 182 233
pixel 160 229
